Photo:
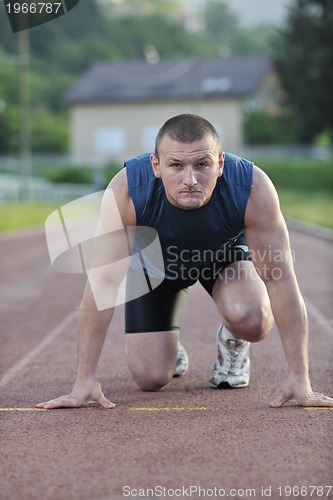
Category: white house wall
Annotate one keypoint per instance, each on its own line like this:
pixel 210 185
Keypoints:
pixel 105 133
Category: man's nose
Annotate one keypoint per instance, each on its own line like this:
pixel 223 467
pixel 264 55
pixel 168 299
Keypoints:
pixel 189 177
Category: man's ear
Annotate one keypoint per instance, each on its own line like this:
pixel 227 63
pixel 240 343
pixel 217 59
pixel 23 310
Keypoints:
pixel 221 164
pixel 155 166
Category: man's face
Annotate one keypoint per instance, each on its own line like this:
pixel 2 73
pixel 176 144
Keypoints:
pixel 189 171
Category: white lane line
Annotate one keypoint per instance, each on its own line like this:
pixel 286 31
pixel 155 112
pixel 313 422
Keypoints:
pixel 317 315
pixel 15 370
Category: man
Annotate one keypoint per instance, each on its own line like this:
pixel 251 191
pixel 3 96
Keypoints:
pixel 218 220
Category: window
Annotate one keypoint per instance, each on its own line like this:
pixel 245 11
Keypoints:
pixel 109 140
pixel 148 136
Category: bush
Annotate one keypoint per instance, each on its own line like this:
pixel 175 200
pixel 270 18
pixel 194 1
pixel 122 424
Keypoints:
pixel 69 174
pixel 109 172
pixel 78 174
pixel 261 128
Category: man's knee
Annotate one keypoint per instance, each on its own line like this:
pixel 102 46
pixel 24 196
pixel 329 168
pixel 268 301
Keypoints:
pixel 151 358
pixel 153 381
pixel 249 322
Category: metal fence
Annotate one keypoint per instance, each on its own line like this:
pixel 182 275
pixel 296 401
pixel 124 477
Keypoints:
pixel 12 189
pixel 15 186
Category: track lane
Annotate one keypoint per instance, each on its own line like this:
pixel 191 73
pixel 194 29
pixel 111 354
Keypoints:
pixel 238 442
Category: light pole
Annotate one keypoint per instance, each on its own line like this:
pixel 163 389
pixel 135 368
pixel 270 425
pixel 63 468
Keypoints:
pixel 25 130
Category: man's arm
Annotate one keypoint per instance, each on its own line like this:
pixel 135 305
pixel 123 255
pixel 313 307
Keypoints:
pixel 268 241
pixel 111 245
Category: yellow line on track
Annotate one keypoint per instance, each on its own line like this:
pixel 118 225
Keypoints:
pixel 23 409
pixel 317 407
pixel 178 408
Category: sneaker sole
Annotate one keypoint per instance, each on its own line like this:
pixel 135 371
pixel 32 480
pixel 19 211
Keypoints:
pixel 226 385
pixel 176 375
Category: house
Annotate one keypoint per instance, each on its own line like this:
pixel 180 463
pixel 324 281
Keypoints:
pixel 117 109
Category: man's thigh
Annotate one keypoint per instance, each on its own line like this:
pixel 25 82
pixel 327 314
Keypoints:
pixel 239 278
pixel 157 311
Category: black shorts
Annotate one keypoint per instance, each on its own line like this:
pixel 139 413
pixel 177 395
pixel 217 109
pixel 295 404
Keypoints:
pixel 161 309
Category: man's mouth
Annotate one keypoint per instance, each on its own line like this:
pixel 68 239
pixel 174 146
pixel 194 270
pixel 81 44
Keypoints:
pixel 187 191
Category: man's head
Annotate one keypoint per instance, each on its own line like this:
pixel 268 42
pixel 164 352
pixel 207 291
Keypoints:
pixel 186 128
pixel 188 160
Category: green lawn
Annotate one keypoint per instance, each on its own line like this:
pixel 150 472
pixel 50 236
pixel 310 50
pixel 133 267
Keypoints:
pixel 299 174
pixel 21 215
pixel 305 188
pixel 315 207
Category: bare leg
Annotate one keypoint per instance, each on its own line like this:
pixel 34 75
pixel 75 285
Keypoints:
pixel 151 357
pixel 242 300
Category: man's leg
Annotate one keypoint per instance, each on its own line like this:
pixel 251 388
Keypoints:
pixel 151 357
pixel 152 324
pixel 242 300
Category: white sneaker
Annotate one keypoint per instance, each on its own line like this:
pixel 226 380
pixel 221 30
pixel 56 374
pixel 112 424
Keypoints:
pixel 182 361
pixel 232 368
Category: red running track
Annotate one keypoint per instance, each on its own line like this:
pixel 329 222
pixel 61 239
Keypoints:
pixel 224 443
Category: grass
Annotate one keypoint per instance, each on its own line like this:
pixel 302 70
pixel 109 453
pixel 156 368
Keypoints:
pixel 21 215
pixel 315 207
pixel 299 174
pixel 305 188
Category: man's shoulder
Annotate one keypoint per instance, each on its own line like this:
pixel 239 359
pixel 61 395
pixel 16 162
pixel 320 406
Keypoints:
pixel 237 170
pixel 139 170
pixel 231 160
pixel 263 202
pixel 140 160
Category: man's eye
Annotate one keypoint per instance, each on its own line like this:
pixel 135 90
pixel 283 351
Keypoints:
pixel 202 165
pixel 176 165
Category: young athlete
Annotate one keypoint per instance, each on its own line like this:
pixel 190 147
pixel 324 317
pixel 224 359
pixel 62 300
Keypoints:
pixel 218 221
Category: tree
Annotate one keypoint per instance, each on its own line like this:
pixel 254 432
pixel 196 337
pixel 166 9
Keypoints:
pixel 221 25
pixel 304 59
pixel 100 30
pixel 228 38
pixel 261 128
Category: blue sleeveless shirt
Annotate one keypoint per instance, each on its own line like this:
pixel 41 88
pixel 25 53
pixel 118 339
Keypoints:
pixel 197 237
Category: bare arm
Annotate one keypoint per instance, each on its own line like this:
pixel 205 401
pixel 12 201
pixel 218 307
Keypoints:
pixel 110 246
pixel 268 241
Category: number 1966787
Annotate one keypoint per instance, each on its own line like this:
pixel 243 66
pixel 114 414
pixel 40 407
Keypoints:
pixel 33 8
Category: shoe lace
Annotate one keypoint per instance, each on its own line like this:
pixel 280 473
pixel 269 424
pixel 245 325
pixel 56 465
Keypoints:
pixel 228 362
pixel 233 359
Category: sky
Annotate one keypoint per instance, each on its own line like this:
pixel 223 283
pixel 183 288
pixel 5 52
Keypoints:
pixel 253 12
pixel 250 13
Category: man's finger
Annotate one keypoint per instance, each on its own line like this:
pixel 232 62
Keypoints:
pixel 318 401
pixel 70 402
pixel 60 403
pixel 99 397
pixel 318 395
pixel 279 402
pixel 105 402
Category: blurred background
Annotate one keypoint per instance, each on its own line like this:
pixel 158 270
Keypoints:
pixel 83 93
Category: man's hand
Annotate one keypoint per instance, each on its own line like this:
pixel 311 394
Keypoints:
pixel 80 395
pixel 302 393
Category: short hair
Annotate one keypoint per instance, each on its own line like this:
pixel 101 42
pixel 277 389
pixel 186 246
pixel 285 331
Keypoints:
pixel 186 128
